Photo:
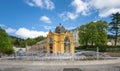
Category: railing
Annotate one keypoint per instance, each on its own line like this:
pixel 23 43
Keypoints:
pixel 40 56
pixel 56 58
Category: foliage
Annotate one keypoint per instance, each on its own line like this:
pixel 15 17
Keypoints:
pixel 101 33
pixel 18 42
pixel 114 25
pixel 83 35
pixel 93 33
pixel 5 43
pixel 30 41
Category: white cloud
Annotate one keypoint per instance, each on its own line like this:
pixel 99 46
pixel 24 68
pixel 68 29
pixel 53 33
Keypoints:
pixel 10 30
pixel 26 33
pixel 80 7
pixel 86 7
pixel 30 4
pixel 106 7
pixel 46 4
pixel 68 15
pixel 49 4
pixel 72 15
pixel 107 12
pixel 45 19
pixel 99 4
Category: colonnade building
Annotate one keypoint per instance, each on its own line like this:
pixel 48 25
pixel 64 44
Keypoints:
pixel 60 41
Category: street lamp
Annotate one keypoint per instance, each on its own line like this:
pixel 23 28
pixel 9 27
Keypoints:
pixel 97 53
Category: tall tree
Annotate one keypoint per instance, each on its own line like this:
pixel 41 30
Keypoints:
pixel 114 26
pixel 101 32
pixel 93 33
pixel 83 35
pixel 5 43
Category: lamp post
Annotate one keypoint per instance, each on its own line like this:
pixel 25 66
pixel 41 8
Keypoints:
pixel 97 53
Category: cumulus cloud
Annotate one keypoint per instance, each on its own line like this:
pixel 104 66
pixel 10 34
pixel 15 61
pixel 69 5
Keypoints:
pixel 86 7
pixel 106 7
pixel 68 15
pixel 107 12
pixel 46 4
pixel 45 19
pixel 10 30
pixel 80 6
pixel 26 33
pixel 99 4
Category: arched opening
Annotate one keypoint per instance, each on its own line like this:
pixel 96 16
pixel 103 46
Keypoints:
pixel 51 45
pixel 67 45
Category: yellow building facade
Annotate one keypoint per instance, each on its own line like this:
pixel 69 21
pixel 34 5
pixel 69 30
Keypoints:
pixel 60 42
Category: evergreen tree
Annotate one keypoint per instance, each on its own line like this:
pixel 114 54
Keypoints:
pixel 114 25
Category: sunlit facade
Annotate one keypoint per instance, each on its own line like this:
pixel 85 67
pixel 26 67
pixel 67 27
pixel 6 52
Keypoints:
pixel 60 42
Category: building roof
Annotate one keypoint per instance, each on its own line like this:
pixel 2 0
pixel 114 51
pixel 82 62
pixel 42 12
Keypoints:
pixel 60 29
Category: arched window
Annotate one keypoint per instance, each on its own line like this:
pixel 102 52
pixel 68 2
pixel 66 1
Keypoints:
pixel 67 45
pixel 51 45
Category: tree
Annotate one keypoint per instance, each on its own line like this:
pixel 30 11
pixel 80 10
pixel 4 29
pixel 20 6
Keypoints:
pixel 93 33
pixel 33 41
pixel 114 25
pixel 30 41
pixel 101 33
pixel 5 43
pixel 83 35
pixel 19 42
pixel 39 38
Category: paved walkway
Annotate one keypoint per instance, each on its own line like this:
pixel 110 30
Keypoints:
pixel 59 62
pixel 94 65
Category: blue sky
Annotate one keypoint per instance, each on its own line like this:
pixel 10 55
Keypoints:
pixel 32 18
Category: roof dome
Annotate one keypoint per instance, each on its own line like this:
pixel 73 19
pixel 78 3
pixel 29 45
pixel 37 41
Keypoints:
pixel 60 29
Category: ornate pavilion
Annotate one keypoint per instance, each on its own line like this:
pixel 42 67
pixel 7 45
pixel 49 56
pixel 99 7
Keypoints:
pixel 60 42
